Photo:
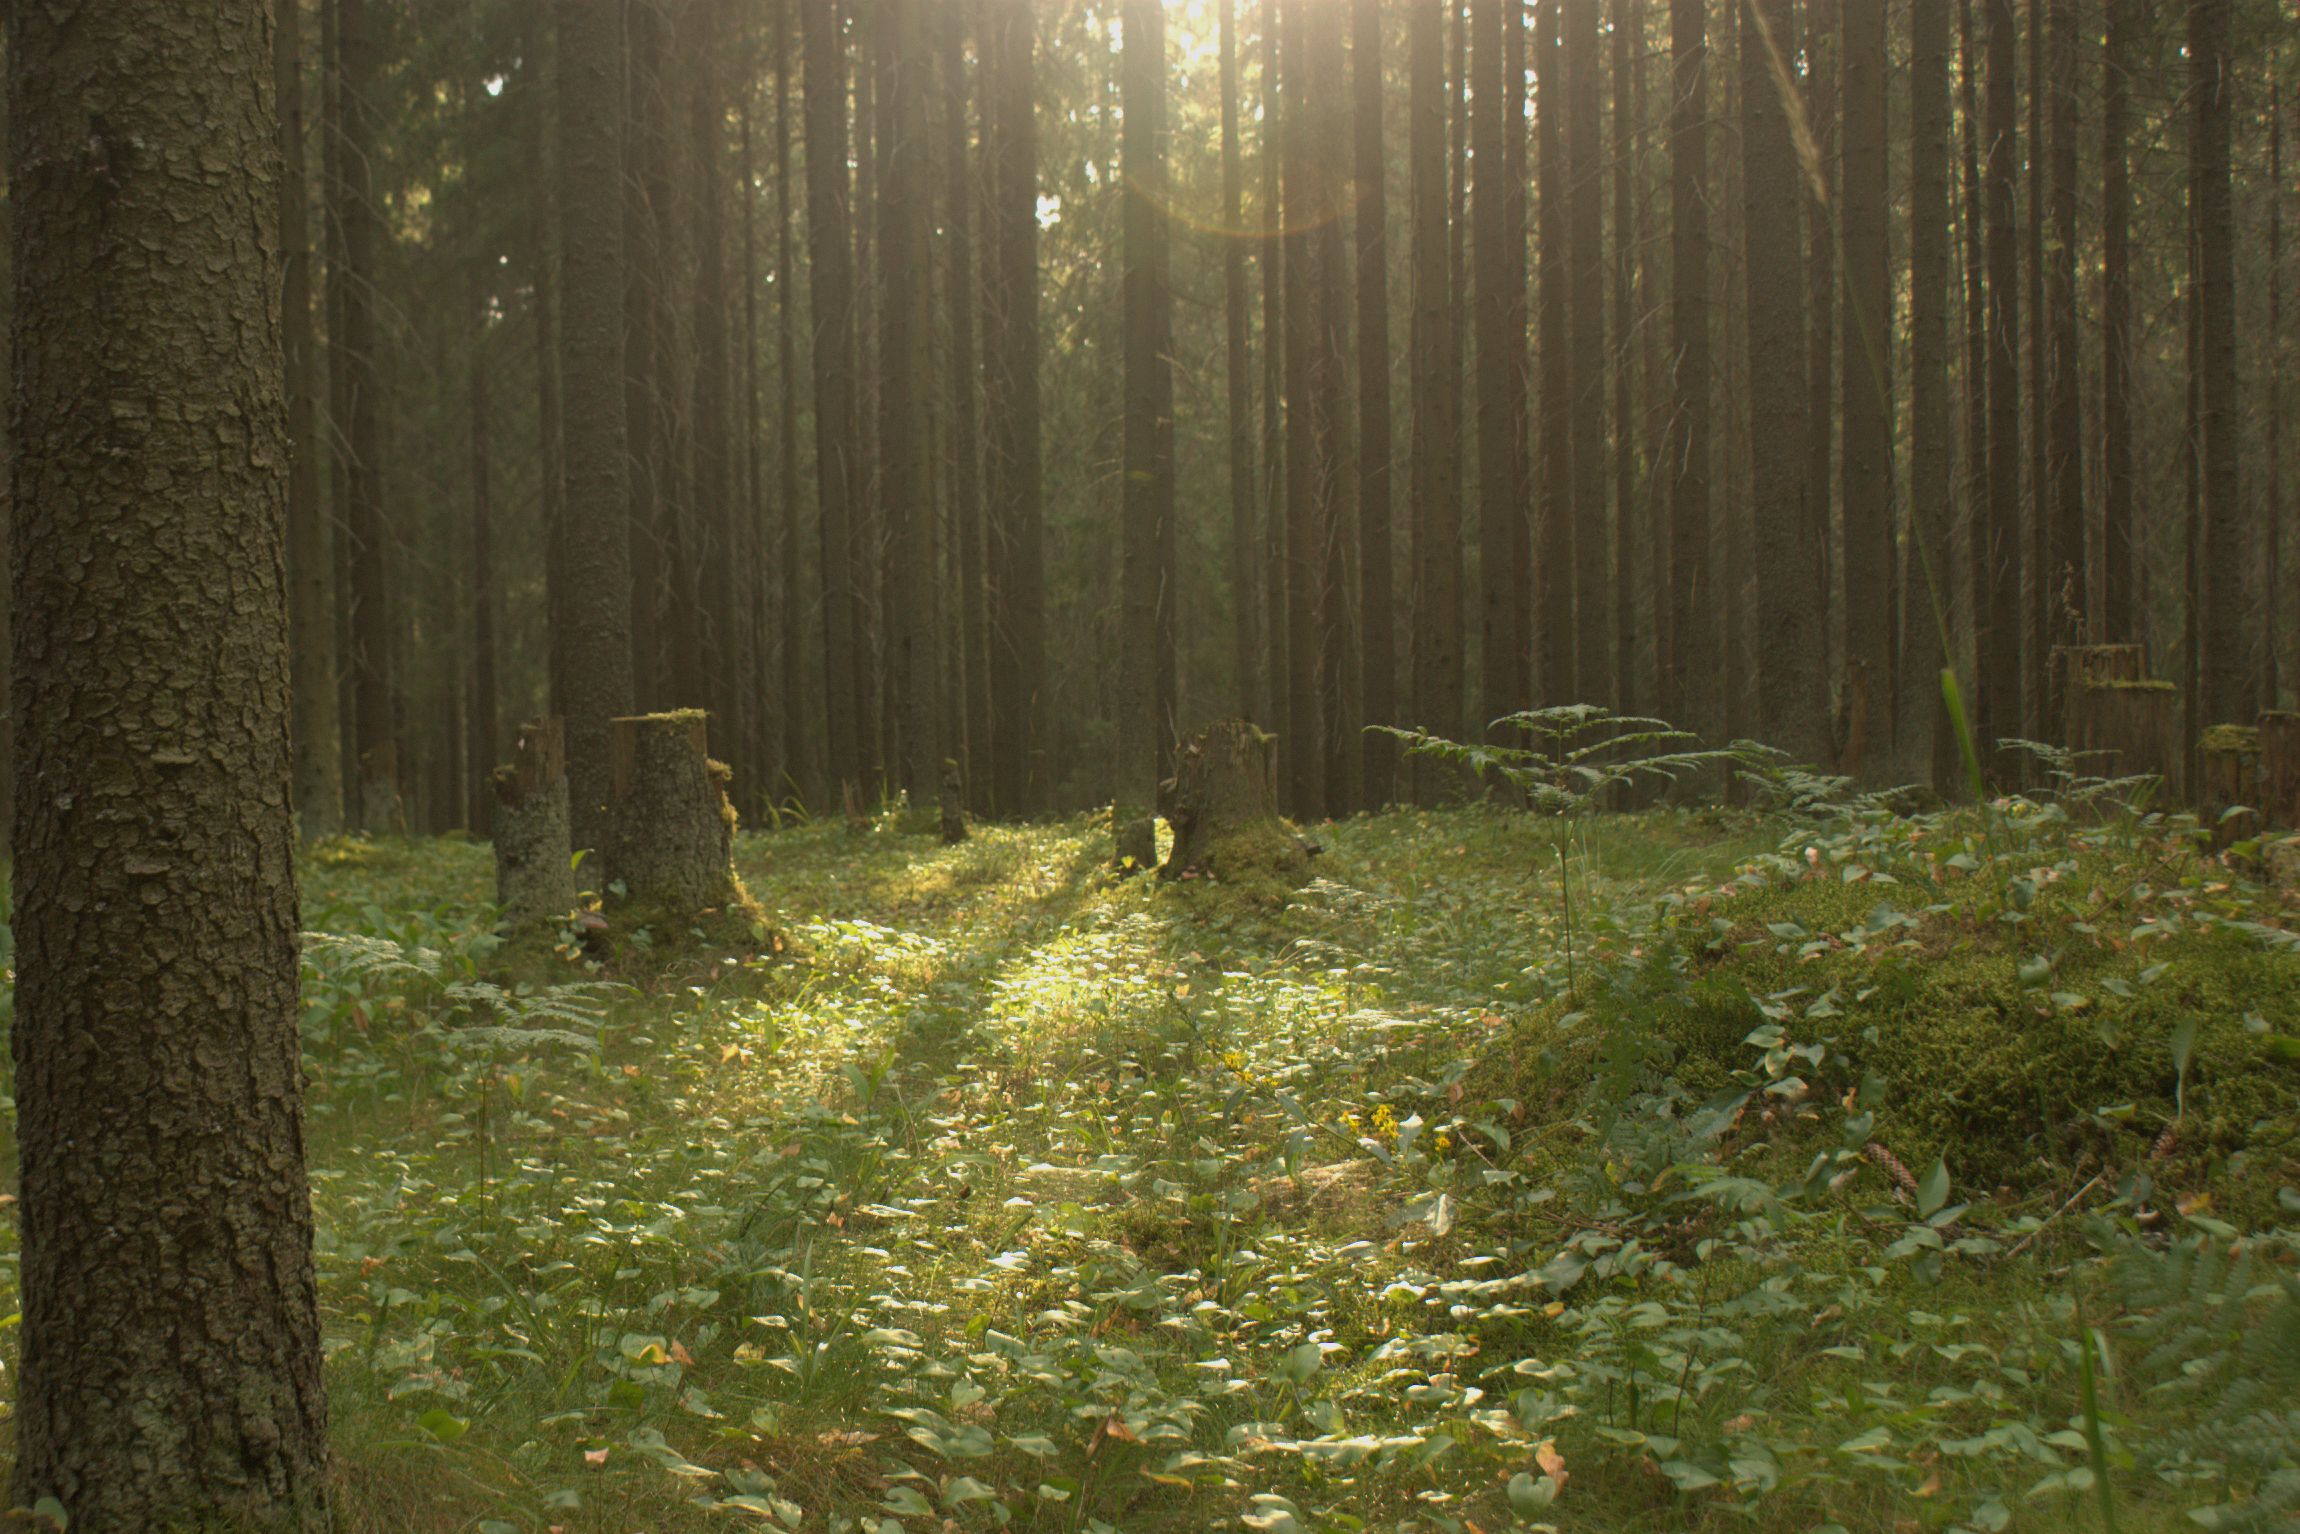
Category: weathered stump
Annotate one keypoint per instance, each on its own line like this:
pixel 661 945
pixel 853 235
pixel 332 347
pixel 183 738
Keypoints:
pixel 534 866
pixel 1225 814
pixel 674 829
pixel 2280 768
pixel 2228 759
pixel 953 804
pixel 2125 727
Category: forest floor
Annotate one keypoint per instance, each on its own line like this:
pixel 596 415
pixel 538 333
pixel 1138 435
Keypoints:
pixel 1848 1171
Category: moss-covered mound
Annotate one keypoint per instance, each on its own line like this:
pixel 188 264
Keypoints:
pixel 2093 1036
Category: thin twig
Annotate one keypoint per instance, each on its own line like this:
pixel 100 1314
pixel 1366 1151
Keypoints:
pixel 2023 1244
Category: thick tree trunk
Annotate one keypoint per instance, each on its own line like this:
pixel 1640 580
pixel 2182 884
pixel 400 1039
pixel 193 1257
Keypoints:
pixel 534 867
pixel 2280 768
pixel 1997 521
pixel 1628 21
pixel 1275 252
pixel 2228 756
pixel 1304 763
pixel 674 829
pixel 1238 390
pixel 1226 823
pixel 952 803
pixel 590 603
pixel 170 1369
pixel 1593 593
pixel 2066 573
pixel 1328 123
pixel 974 747
pixel 2126 728
pixel 1503 555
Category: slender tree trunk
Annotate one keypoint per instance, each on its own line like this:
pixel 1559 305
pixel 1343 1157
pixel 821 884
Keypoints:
pixel 591 604
pixel 543 312
pixel 2119 613
pixel 1501 572
pixel 1436 461
pixel 1274 670
pixel 1010 345
pixel 1973 556
pixel 1238 379
pixel 830 271
pixel 1593 593
pixel 647 413
pixel 763 747
pixel 1925 731
pixel 718 548
pixel 1792 690
pixel 365 521
pixel 2229 690
pixel 311 571
pixel 2036 684
pixel 916 630
pixel 1329 128
pixel 1628 23
pixel 1377 621
pixel 802 749
pixel 2063 507
pixel 966 419
pixel 1556 561
pixel 170 1367
pixel 1823 44
pixel 1148 490
pixel 1997 600
pixel 2272 565
pixel 484 705
pixel 1687 698
pixel 1868 393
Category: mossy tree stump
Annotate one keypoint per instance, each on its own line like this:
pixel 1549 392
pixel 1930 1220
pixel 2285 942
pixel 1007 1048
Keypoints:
pixel 2124 725
pixel 953 803
pixel 2228 758
pixel 674 834
pixel 2280 768
pixel 534 866
pixel 1225 809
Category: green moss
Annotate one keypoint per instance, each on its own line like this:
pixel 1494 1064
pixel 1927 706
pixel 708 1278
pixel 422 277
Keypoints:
pixel 1259 865
pixel 2010 1082
pixel 2229 737
pixel 2106 684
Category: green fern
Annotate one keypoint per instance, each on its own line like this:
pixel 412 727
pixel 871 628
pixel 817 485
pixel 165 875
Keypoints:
pixel 469 1014
pixel 2218 1333
pixel 1576 753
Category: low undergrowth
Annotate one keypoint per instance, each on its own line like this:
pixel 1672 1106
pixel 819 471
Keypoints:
pixel 1826 1169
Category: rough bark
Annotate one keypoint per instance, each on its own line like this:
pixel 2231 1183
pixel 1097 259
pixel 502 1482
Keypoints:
pixel 2126 728
pixel 170 1368
pixel 1147 492
pixel 801 752
pixel 1304 745
pixel 2228 788
pixel 674 829
pixel 1226 823
pixel 318 732
pixel 1823 46
pixel 1627 22
pixel 1436 460
pixel 1376 607
pixel 1686 694
pixel 534 865
pixel 903 436
pixel 1274 253
pixel 973 749
pixel 1328 123
pixel 952 803
pixel 590 603
pixel 484 702
pixel 2279 799
pixel 1792 693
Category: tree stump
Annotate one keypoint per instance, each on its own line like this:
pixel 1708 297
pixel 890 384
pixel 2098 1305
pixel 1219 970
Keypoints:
pixel 1225 816
pixel 2280 768
pixel 534 872
pixel 2229 763
pixel 674 831
pixel 953 804
pixel 2125 726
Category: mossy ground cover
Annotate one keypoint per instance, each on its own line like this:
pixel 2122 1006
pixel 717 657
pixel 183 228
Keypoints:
pixel 1765 1183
